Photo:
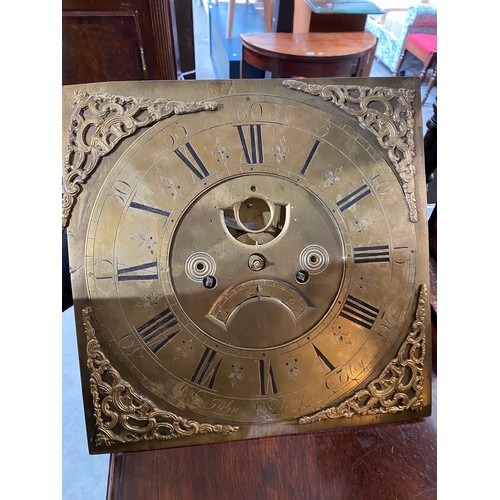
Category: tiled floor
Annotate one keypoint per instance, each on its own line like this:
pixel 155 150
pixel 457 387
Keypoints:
pixel 85 476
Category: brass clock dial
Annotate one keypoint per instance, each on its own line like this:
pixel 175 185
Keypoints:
pixel 248 266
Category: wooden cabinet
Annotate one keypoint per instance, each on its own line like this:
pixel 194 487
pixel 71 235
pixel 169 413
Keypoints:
pixel 110 40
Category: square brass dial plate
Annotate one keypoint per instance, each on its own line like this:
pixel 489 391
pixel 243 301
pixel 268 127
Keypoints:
pixel 248 258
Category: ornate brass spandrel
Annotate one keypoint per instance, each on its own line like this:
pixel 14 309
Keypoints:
pixel 98 123
pixel 400 384
pixel 388 114
pixel 123 415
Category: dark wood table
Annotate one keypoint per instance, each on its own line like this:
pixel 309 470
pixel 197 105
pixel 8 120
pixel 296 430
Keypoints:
pixel 312 55
pixel 373 463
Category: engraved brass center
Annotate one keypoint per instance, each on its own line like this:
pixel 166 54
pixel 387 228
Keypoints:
pixel 274 309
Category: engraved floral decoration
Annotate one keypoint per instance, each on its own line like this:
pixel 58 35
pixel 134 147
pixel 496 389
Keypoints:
pixel 400 384
pixel 280 151
pixel 98 123
pixel 122 414
pixel 342 336
pixel 332 178
pixel 220 152
pixel 292 368
pixel 145 242
pixel 235 373
pixel 183 349
pixel 148 301
pixel 363 224
pixel 168 184
pixel 385 112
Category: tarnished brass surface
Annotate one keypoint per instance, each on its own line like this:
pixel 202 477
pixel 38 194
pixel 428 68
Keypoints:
pixel 254 266
pixel 124 416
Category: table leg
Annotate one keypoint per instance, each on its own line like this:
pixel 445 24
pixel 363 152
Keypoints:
pixel 243 64
pixel 230 19
pixel 432 82
pixel 367 61
pixel 301 17
pixel 268 15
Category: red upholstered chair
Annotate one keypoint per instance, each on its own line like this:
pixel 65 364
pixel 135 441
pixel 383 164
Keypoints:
pixel 424 47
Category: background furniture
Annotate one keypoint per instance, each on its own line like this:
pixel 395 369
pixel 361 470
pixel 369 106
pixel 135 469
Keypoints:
pixel 268 16
pixel 117 40
pixel 183 34
pixel 424 48
pixel 312 55
pixel 338 16
pixel 431 83
pixel 420 18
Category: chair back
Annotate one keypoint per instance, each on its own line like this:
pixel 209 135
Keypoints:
pixel 421 18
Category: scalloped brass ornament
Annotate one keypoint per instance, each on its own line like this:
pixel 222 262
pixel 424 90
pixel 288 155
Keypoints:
pixel 122 415
pixel 385 112
pixel 98 123
pixel 399 386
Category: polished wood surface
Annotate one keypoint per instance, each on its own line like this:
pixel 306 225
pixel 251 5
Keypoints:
pixel 308 54
pixel 372 463
pixel 318 45
pixel 106 40
pixel 183 35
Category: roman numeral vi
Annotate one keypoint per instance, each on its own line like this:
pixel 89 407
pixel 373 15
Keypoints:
pixel 267 380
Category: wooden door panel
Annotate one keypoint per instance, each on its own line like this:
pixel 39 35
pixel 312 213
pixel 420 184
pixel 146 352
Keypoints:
pixel 102 47
pixel 117 40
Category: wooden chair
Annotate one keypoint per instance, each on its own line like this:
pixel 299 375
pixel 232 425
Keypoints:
pixel 308 55
pixel 420 18
pixel 424 47
pixel 268 16
pixel 432 82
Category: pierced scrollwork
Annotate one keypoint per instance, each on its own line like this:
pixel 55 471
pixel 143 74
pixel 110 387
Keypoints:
pixel 385 112
pixel 398 388
pixel 98 123
pixel 123 415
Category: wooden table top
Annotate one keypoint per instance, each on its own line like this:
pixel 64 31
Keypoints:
pixel 320 45
pixel 368 463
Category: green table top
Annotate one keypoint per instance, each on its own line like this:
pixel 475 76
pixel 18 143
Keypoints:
pixel 343 7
